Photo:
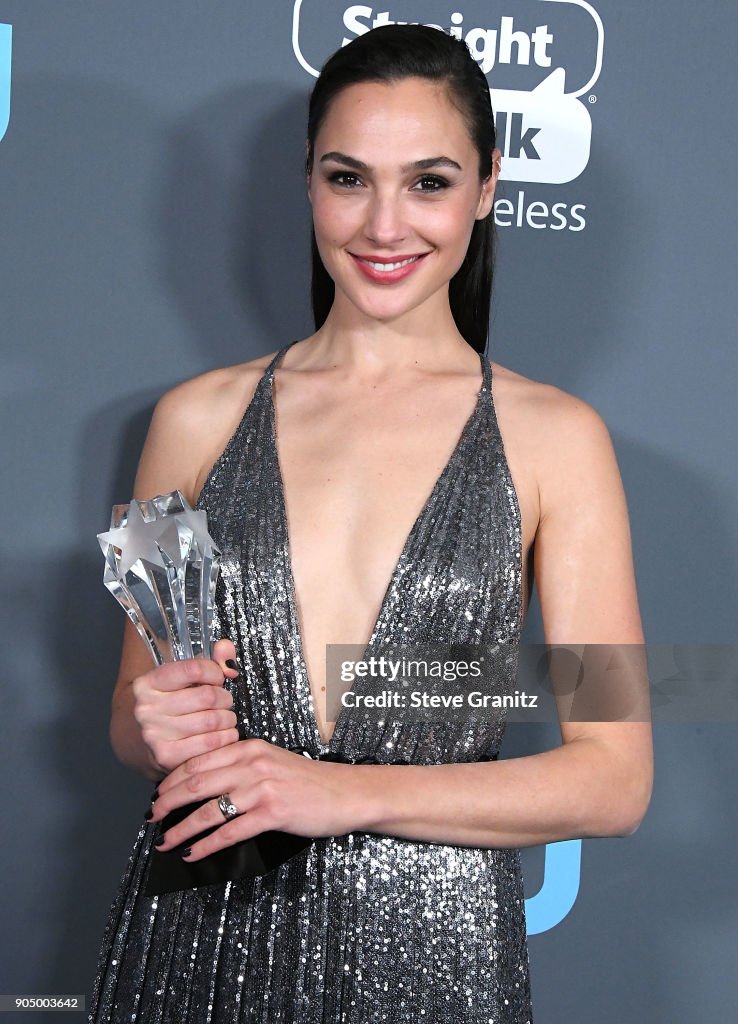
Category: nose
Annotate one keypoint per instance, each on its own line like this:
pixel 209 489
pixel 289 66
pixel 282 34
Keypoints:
pixel 385 219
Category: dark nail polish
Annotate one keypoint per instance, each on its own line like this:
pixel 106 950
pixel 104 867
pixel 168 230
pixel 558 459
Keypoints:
pixel 187 851
pixel 232 663
pixel 149 815
pixel 160 841
pixel 155 795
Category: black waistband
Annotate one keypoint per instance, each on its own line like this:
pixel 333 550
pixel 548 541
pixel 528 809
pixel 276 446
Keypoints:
pixel 334 755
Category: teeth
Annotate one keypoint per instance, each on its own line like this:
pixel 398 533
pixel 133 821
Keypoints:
pixel 391 266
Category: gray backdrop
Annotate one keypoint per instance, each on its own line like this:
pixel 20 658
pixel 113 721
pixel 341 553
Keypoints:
pixel 154 225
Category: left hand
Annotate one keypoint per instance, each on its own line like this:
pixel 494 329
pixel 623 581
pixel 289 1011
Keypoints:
pixel 272 788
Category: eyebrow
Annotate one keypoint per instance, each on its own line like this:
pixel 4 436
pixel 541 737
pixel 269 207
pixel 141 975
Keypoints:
pixel 417 165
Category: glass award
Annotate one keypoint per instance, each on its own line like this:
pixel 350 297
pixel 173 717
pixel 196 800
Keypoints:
pixel 162 566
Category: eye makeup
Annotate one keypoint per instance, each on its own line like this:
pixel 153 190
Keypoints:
pixel 439 183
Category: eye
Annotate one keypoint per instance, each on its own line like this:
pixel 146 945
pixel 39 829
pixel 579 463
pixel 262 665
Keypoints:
pixel 338 175
pixel 438 183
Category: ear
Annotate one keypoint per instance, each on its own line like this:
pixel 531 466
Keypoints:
pixel 487 198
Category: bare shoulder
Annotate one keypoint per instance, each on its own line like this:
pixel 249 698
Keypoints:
pixel 557 438
pixel 550 414
pixel 212 395
pixel 191 425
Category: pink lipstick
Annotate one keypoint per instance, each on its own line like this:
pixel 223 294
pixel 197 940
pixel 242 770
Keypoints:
pixel 399 273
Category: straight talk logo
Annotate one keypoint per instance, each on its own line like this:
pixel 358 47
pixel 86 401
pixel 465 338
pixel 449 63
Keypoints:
pixel 544 132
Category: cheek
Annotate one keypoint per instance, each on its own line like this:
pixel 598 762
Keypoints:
pixel 452 222
pixel 331 217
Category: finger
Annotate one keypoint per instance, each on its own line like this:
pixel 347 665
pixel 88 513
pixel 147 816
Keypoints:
pixel 182 784
pixel 201 723
pixel 224 650
pixel 209 815
pixel 183 750
pixel 177 675
pixel 180 703
pixel 245 826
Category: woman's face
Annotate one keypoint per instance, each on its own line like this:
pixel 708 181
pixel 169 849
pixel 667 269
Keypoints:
pixel 395 176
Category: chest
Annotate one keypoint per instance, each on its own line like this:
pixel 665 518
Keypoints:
pixel 357 480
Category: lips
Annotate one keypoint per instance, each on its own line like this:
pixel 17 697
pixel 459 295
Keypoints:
pixel 379 273
pixel 388 259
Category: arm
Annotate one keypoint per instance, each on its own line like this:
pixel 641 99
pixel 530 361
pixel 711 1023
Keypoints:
pixel 598 782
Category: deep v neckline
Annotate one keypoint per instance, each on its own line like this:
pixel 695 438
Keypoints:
pixel 326 745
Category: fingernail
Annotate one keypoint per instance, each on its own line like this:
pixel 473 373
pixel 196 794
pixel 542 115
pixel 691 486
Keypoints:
pixel 233 664
pixel 149 814
pixel 186 852
pixel 155 795
pixel 160 841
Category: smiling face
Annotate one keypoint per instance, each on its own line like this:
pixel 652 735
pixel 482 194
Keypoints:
pixel 395 177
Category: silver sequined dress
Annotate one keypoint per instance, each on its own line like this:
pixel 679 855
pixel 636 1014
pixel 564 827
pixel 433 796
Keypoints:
pixel 359 928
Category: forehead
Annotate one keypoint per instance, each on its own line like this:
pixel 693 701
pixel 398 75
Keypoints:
pixel 410 112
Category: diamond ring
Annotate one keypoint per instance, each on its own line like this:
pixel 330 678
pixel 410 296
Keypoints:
pixel 229 809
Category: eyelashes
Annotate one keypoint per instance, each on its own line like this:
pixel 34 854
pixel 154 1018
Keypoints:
pixel 439 183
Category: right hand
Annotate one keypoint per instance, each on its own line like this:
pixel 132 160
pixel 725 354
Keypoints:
pixel 183 709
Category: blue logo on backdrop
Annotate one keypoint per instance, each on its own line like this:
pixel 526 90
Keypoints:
pixel 6 32
pixel 557 895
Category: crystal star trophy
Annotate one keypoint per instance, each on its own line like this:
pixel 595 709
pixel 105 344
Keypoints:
pixel 162 566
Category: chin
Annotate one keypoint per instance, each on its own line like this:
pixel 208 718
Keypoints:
pixel 389 297
pixel 387 308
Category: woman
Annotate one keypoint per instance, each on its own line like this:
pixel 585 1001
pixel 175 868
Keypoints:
pixel 358 485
